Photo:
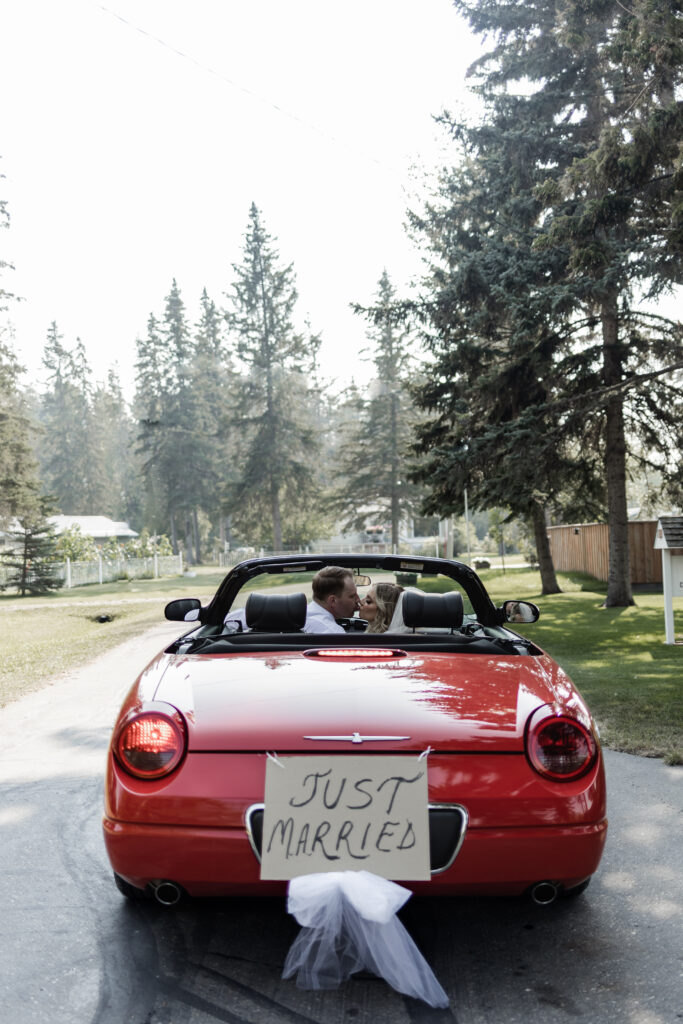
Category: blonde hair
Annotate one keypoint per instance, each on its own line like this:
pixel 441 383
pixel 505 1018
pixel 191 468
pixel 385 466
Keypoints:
pixel 386 597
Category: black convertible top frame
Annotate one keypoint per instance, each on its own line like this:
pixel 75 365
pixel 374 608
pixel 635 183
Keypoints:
pixel 485 610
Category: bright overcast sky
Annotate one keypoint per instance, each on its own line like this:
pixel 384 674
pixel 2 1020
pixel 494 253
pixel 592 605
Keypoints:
pixel 127 164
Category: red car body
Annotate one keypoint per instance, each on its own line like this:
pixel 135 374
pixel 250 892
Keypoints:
pixel 482 717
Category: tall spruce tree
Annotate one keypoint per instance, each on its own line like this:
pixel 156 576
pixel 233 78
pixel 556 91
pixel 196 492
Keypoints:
pixel 210 385
pixel 165 441
pixel 182 385
pixel 492 432
pixel 176 454
pixel 371 463
pixel 5 296
pixel 19 482
pixel 618 214
pixel 30 562
pixel 277 447
pixel 112 441
pixel 68 456
pixel 538 257
pixel 148 410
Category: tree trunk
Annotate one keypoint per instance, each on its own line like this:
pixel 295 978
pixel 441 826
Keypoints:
pixel 549 584
pixel 23 585
pixel 174 535
pixel 395 503
pixel 195 531
pixel 189 546
pixel 277 522
pixel 619 593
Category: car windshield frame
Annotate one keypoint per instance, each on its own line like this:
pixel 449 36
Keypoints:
pixel 484 609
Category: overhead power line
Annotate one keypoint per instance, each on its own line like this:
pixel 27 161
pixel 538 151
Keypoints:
pixel 248 92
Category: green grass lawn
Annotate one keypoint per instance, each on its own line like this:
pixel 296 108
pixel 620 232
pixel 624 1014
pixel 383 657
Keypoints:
pixel 44 636
pixel 617 657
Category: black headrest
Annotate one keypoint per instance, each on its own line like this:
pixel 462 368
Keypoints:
pixel 276 613
pixel 436 610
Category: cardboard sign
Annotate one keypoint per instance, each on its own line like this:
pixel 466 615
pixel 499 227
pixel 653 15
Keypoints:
pixel 345 813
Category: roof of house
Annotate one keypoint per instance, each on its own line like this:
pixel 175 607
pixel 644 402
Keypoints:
pixel 94 526
pixel 669 532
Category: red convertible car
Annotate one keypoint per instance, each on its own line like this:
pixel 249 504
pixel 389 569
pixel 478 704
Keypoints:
pixel 454 701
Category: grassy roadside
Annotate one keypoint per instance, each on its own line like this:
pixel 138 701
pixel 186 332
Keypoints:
pixel 45 636
pixel 617 657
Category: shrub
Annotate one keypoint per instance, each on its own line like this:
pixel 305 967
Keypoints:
pixel 406 579
pixel 79 547
pixel 145 546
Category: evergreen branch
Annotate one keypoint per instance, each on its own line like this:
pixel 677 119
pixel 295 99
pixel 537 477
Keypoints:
pixel 604 394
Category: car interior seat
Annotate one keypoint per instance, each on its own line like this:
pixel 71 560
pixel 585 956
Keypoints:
pixel 276 613
pixel 435 611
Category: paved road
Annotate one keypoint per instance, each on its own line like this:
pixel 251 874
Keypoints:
pixel 75 952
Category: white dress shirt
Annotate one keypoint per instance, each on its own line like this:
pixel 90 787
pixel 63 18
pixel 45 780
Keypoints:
pixel 319 620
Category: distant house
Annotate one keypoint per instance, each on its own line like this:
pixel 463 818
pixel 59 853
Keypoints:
pixel 100 528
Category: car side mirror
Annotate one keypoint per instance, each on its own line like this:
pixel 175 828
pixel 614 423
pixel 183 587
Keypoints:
pixel 520 611
pixel 185 609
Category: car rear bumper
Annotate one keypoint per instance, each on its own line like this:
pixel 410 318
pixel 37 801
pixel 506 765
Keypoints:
pixel 221 861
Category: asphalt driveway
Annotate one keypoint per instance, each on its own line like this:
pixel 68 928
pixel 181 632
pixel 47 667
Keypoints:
pixel 75 952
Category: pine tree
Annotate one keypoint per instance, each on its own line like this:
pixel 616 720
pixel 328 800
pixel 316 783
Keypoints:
pixel 176 446
pixel 542 357
pixel 165 439
pixel 112 441
pixel 71 469
pixel 489 323
pixel 618 213
pixel 182 387
pixel 210 382
pixel 277 447
pixel 371 463
pixel 5 296
pixel 19 483
pixel 30 564
pixel 148 409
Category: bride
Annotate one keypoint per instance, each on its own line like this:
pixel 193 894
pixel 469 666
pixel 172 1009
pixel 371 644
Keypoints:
pixel 379 606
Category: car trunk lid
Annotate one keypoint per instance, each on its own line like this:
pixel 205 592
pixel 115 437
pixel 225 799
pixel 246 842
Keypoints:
pixel 291 701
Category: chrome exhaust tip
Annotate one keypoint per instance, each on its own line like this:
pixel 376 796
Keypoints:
pixel 544 893
pixel 167 893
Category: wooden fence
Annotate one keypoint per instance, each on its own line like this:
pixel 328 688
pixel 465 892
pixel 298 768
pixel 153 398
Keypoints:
pixel 585 548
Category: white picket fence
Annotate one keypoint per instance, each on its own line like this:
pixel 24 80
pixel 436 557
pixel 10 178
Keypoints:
pixel 102 570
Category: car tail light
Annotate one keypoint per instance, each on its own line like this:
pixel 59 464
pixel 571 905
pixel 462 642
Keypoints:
pixel 560 748
pixel 151 744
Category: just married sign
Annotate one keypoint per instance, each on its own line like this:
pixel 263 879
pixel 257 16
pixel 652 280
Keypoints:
pixel 339 813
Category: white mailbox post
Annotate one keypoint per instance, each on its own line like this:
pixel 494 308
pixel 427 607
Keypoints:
pixel 668 538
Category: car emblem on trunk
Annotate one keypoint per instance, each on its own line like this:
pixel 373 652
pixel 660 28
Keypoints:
pixel 357 738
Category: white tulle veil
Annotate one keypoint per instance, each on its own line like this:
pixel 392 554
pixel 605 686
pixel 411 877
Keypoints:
pixel 397 625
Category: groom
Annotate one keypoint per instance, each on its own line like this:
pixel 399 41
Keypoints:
pixel 334 597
